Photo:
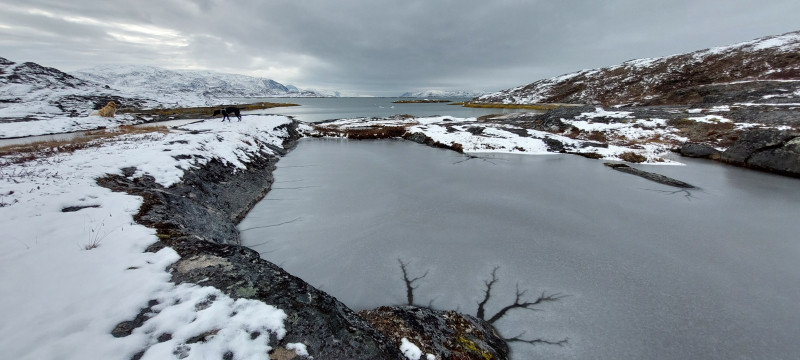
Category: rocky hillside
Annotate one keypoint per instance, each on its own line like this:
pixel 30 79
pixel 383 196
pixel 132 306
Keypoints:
pixel 156 82
pixel 765 70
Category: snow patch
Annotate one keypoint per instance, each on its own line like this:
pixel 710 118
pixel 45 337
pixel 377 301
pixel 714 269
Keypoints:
pixel 409 350
pixel 299 349
pixel 712 119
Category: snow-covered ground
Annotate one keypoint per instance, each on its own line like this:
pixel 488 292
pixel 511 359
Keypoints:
pixel 61 124
pixel 68 278
pixel 628 135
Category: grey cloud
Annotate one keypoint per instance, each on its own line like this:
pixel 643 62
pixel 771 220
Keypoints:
pixel 383 47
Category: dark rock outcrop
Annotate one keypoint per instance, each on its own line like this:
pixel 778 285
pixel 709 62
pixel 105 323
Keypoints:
pixel 766 149
pixel 448 334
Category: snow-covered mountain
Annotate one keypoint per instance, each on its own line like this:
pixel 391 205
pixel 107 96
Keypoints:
pixel 204 87
pixel 29 91
pixel 765 69
pixel 443 94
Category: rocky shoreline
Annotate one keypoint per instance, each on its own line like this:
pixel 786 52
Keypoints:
pixel 761 137
pixel 197 218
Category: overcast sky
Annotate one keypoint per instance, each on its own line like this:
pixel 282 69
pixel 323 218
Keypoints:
pixel 381 48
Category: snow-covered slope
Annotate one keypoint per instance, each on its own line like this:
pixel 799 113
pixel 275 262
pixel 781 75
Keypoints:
pixel 71 276
pixel 763 69
pixel 443 94
pixel 195 87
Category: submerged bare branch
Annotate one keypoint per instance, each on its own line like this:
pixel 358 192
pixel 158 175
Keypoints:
pixel 409 281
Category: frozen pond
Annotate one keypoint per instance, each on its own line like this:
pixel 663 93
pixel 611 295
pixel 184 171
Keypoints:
pixel 650 273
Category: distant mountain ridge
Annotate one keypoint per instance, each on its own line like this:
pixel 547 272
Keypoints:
pixel 767 68
pixel 443 93
pixel 32 91
pixel 157 82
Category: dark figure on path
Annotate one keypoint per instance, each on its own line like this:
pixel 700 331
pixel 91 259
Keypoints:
pixel 227 112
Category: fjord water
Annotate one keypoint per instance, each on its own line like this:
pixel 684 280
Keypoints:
pixel 650 272
pixel 319 109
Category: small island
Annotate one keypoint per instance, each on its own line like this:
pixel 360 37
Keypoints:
pixel 421 101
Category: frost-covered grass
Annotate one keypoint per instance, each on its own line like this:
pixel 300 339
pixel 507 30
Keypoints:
pixel 69 278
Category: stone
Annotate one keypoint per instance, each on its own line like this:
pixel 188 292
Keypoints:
pixel 696 150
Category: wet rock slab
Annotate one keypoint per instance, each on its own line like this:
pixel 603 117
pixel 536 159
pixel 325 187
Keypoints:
pixel 661 179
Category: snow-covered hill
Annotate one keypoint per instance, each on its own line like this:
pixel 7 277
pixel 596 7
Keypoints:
pixel 31 91
pixel 443 94
pixel 762 70
pixel 194 87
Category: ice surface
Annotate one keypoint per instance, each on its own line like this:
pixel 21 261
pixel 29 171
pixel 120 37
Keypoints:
pixel 651 271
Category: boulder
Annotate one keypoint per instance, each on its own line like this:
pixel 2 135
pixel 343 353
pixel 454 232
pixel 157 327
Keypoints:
pixel 696 150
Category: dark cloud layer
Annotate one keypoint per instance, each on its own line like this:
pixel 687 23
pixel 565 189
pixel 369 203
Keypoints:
pixel 380 47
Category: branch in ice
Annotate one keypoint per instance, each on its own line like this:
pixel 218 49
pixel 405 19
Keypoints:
pixel 487 293
pixel 528 305
pixel 470 157
pixel 686 193
pixel 518 303
pixel 519 338
pixel 410 282
pixel 296 187
pixel 273 225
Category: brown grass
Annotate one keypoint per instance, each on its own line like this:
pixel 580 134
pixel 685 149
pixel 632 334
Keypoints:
pixel 598 136
pixel 632 157
pixel 721 133
pixel 15 154
pixel 374 132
